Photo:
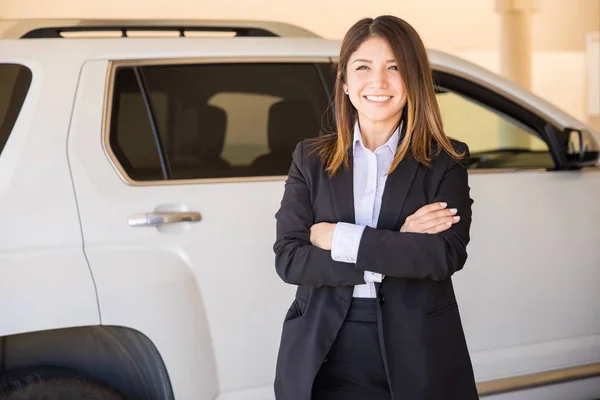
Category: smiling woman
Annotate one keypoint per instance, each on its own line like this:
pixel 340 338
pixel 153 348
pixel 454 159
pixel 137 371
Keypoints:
pixel 385 58
pixel 376 90
pixel 374 221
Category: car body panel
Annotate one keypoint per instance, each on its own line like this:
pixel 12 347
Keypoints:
pixel 42 263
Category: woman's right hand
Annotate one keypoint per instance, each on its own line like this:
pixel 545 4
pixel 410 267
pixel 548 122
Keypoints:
pixel 432 218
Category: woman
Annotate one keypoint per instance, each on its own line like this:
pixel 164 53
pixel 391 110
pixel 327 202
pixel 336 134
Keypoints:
pixel 373 223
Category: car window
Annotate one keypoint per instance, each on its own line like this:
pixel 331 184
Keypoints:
pixel 14 84
pixel 495 140
pixel 215 120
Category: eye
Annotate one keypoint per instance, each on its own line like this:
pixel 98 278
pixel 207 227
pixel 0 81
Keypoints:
pixel 394 67
pixel 361 67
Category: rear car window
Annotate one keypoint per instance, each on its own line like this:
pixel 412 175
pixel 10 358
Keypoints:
pixel 15 80
pixel 216 120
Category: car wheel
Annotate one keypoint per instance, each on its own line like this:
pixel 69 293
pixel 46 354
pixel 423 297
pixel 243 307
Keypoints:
pixel 51 383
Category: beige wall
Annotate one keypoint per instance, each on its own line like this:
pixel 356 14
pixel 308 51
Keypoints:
pixel 329 18
pixel 563 24
pixel 444 24
pixel 470 28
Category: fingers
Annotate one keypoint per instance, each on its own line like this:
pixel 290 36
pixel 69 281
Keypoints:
pixel 446 220
pixel 431 211
pixel 445 224
pixel 445 213
pixel 429 208
pixel 438 221
pixel 314 233
pixel 431 218
pixel 321 235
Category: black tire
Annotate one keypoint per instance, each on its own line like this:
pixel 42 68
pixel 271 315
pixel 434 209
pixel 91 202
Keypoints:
pixel 52 383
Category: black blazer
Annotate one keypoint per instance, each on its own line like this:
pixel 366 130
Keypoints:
pixel 422 338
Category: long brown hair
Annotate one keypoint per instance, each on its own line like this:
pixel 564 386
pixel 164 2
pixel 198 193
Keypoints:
pixel 422 130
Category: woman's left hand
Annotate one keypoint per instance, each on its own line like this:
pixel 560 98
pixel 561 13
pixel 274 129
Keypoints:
pixel 321 235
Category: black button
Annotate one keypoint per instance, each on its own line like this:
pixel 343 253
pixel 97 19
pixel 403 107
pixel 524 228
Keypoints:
pixel 381 299
pixel 343 300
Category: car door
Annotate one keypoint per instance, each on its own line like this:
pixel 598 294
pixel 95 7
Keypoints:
pixel 528 291
pixel 178 182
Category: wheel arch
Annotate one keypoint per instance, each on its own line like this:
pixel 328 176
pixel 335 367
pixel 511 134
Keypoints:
pixel 123 358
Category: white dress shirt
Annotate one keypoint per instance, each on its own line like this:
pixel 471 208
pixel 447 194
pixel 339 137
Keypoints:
pixel 370 174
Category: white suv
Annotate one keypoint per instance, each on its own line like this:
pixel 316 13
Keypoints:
pixel 139 178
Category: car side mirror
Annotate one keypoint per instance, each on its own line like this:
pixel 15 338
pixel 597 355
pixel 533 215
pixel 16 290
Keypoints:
pixel 582 148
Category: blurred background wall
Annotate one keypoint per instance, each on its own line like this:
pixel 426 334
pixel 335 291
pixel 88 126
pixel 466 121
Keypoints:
pixel 549 46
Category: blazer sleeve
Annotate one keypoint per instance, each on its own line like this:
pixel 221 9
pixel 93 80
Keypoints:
pixel 297 261
pixel 421 255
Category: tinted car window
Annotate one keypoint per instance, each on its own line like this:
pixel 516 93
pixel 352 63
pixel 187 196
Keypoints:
pixel 494 140
pixel 215 120
pixel 14 84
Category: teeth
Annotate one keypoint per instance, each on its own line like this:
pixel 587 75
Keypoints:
pixel 379 99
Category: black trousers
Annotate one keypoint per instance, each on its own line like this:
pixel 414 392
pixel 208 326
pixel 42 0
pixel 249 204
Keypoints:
pixel 354 367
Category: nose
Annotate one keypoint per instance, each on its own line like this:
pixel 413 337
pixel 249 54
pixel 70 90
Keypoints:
pixel 380 79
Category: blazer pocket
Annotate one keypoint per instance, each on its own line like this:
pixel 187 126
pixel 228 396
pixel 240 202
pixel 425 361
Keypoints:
pixel 296 309
pixel 440 309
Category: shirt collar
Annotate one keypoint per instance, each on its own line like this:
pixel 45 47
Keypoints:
pixel 392 142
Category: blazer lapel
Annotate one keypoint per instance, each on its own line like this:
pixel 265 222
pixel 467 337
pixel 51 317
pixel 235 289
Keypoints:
pixel 396 189
pixel 342 191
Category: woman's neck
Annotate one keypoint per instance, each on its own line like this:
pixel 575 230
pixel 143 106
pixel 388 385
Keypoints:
pixel 375 134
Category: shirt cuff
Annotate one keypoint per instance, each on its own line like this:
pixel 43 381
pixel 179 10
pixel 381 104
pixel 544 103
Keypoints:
pixel 373 277
pixel 346 239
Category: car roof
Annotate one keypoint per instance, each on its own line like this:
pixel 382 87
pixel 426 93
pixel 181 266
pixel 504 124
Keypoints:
pixel 295 43
pixel 52 28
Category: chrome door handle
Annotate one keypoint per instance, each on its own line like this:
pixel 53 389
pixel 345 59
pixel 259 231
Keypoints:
pixel 161 218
